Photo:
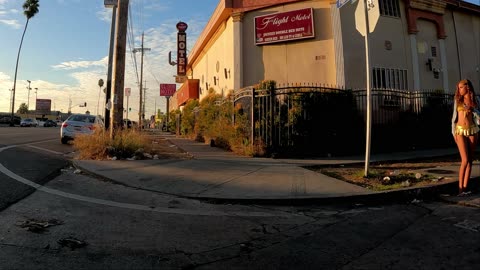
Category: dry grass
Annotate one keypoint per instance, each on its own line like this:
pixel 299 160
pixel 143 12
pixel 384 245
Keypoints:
pixel 92 146
pixel 99 146
pixel 126 143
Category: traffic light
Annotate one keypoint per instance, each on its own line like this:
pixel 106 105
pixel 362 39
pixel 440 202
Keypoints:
pixel 129 109
pixel 85 104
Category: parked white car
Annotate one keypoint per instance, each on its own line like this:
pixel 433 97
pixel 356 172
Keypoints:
pixel 79 124
pixel 28 122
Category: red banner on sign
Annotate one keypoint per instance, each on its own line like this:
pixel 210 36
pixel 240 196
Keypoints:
pixel 167 89
pixel 284 26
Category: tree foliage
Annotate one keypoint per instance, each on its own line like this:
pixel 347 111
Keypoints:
pixel 23 108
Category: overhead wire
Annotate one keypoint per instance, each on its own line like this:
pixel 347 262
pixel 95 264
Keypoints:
pixel 147 63
pixel 131 42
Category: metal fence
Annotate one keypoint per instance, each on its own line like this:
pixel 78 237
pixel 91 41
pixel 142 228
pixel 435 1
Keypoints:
pixel 328 121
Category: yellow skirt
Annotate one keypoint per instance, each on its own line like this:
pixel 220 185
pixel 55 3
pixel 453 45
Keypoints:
pixel 466 131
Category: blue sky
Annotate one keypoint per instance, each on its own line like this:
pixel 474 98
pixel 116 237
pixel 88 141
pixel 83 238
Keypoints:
pixel 65 49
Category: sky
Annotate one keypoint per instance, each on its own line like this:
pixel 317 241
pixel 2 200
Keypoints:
pixel 66 45
pixel 65 50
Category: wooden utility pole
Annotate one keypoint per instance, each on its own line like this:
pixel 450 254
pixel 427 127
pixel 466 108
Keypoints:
pixel 141 113
pixel 119 66
pixel 108 93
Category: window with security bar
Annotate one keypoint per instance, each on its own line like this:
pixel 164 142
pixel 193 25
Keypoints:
pixel 390 8
pixel 389 78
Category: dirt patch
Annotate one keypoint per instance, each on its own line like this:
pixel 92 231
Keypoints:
pixel 394 175
pixel 164 149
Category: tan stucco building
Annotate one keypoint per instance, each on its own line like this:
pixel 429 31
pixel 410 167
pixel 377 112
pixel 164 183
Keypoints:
pixel 415 45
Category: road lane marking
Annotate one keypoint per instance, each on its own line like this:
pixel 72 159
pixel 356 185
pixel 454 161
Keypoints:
pixel 39 187
pixel 51 140
pixel 10 134
pixel 44 149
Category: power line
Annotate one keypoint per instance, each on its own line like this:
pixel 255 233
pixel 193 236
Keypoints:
pixel 151 72
pixel 131 45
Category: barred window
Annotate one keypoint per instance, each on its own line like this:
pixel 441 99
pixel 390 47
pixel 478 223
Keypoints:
pixel 389 8
pixel 389 78
pixel 434 51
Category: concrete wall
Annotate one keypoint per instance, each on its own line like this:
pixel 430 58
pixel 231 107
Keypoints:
pixel 336 55
pixel 463 30
pixel 308 60
pixel 215 57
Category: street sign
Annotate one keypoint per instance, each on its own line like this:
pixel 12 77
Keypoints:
pixel 167 89
pixel 180 79
pixel 128 91
pixel 340 3
pixel 110 3
pixel 373 15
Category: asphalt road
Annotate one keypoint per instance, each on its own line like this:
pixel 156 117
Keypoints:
pixel 75 221
pixel 31 153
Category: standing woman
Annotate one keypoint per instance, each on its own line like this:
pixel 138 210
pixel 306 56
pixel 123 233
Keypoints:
pixel 465 130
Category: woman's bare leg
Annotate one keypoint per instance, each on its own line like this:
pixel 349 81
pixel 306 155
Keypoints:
pixel 472 144
pixel 462 145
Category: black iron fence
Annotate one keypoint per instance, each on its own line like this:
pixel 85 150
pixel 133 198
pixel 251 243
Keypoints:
pixel 322 121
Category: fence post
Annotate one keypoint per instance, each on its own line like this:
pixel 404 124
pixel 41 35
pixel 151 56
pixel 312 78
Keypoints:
pixel 272 118
pixel 252 119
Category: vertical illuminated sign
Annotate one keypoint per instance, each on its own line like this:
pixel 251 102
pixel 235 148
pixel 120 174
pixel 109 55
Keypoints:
pixel 181 49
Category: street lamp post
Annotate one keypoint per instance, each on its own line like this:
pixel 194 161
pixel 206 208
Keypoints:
pixel 28 101
pixel 36 101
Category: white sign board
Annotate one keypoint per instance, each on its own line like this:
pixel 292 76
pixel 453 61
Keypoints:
pixel 340 3
pixel 373 15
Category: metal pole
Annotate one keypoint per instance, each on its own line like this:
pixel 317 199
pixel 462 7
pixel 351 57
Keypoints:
pixel 36 98
pixel 369 93
pixel 28 101
pixel 167 111
pixel 108 93
pixel 128 97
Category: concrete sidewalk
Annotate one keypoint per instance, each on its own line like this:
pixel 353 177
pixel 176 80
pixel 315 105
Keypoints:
pixel 217 175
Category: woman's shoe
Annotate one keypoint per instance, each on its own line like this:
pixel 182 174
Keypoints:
pixel 464 193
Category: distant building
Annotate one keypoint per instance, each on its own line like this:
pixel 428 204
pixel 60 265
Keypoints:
pixel 416 45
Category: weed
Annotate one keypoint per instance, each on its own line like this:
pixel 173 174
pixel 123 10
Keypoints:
pixel 99 145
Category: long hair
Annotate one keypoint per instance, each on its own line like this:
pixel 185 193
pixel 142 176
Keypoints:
pixel 471 92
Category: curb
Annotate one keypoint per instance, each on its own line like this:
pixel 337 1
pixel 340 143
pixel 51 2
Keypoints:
pixel 411 195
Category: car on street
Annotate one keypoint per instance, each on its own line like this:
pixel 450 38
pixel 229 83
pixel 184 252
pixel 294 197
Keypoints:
pixel 49 123
pixel 79 124
pixel 28 122
pixel 127 123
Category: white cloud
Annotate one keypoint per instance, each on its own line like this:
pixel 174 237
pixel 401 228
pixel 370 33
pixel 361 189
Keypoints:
pixel 105 14
pixel 81 64
pixel 12 23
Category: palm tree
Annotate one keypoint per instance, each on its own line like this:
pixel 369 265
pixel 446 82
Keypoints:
pixel 30 8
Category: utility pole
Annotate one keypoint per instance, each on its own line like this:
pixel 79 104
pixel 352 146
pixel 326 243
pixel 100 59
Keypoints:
pixel 144 99
pixel 119 67
pixel 142 50
pixel 108 93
